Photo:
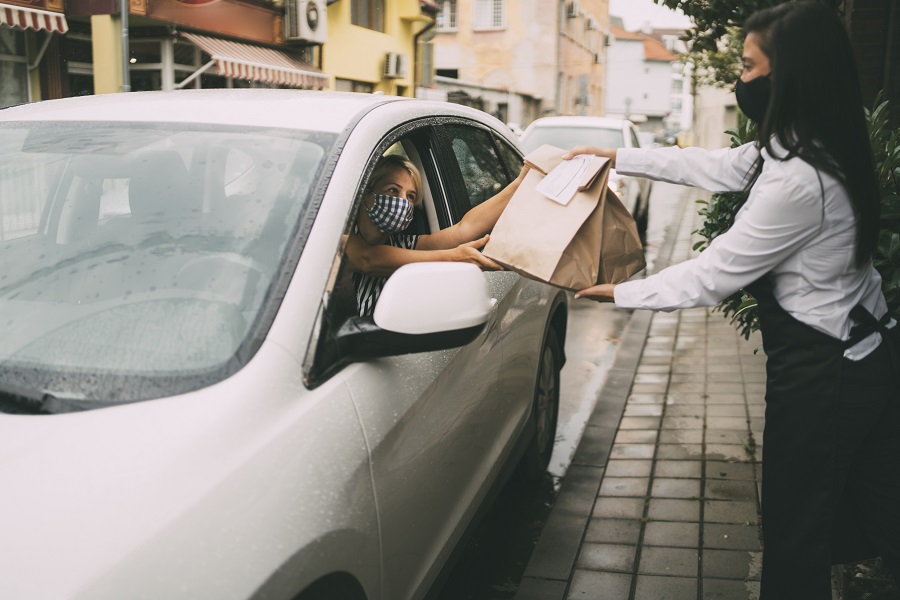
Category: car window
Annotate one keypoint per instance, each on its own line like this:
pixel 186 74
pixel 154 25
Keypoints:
pixel 482 171
pixel 142 252
pixel 511 159
pixel 569 137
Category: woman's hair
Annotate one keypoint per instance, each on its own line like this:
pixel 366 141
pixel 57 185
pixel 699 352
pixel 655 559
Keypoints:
pixel 815 109
pixel 389 163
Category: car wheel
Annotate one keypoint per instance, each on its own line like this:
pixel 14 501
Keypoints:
pixel 544 410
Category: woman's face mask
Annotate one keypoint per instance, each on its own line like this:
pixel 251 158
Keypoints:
pixel 753 89
pixel 753 97
pixel 390 214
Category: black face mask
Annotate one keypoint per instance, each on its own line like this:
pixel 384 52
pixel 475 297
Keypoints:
pixel 753 97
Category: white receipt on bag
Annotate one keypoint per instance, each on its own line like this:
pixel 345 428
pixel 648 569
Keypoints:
pixel 561 184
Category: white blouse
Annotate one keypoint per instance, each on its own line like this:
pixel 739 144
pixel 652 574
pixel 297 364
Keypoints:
pixel 785 227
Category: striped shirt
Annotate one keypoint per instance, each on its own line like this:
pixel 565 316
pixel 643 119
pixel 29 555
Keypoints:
pixel 368 288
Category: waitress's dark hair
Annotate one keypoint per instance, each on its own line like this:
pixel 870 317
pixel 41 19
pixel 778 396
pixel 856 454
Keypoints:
pixel 816 110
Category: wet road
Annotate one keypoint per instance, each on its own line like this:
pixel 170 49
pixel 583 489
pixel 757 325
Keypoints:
pixel 494 559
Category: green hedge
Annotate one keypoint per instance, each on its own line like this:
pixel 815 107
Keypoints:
pixel 719 212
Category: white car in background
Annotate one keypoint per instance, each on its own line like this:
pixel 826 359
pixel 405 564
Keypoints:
pixel 190 406
pixel 603 132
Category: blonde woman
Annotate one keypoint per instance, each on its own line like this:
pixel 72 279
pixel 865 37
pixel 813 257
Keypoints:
pixel 378 245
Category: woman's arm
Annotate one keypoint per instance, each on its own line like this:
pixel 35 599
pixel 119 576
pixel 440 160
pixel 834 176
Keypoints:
pixel 779 218
pixel 381 260
pixel 723 170
pixel 476 223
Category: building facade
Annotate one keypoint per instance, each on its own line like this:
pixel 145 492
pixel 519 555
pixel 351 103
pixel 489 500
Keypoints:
pixel 378 45
pixel 48 50
pixel 523 59
pixel 644 80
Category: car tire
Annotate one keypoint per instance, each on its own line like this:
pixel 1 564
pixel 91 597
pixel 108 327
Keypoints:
pixel 544 410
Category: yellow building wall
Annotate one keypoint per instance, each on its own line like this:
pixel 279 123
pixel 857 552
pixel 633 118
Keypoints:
pixel 106 44
pixel 357 53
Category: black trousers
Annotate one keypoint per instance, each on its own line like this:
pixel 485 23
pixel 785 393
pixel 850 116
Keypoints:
pixel 831 463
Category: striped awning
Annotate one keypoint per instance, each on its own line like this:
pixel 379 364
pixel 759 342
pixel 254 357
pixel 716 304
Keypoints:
pixel 246 61
pixel 32 18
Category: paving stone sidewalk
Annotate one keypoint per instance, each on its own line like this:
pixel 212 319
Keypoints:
pixel 661 501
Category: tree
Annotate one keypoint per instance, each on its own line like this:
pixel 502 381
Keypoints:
pixel 714 18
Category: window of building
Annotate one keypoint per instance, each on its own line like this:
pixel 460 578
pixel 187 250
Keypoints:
pixel 452 73
pixel 677 85
pixel 78 57
pixel 348 85
pixel 490 14
pixel 13 67
pixel 446 19
pixel 368 13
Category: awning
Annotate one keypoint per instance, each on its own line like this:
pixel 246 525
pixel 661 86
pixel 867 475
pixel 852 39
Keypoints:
pixel 32 18
pixel 245 61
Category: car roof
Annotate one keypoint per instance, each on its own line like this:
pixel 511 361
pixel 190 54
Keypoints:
pixel 292 109
pixel 579 121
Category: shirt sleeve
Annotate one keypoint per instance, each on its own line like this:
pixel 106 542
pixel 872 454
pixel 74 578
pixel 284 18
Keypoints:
pixel 723 170
pixel 778 219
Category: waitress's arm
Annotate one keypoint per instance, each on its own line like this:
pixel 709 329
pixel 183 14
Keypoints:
pixel 723 170
pixel 779 218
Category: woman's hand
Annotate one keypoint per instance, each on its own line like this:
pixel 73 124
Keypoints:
pixel 600 293
pixel 609 153
pixel 468 253
pixel 522 173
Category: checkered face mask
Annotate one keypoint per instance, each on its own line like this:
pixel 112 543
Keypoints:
pixel 391 214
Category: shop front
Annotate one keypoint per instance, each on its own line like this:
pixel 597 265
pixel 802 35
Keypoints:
pixel 176 44
pixel 29 42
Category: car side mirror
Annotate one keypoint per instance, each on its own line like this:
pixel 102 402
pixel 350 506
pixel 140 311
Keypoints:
pixel 423 307
pixel 423 298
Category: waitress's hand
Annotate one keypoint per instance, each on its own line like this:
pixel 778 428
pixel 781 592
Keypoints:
pixel 609 153
pixel 600 293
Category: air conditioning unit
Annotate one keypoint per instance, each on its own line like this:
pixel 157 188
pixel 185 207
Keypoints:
pixel 305 21
pixel 591 24
pixel 573 9
pixel 394 65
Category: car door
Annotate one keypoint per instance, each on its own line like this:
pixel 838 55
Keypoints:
pixel 483 164
pixel 423 415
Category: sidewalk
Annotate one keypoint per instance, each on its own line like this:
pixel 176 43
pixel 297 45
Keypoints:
pixel 661 500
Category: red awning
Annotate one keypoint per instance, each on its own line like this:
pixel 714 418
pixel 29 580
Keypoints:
pixel 32 18
pixel 245 61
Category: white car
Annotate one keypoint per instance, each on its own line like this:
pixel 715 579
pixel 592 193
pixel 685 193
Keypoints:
pixel 189 405
pixel 603 132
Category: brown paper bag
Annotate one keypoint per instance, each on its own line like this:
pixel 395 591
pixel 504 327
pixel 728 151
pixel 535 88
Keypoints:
pixel 592 239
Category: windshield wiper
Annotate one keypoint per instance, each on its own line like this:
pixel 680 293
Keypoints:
pixel 16 400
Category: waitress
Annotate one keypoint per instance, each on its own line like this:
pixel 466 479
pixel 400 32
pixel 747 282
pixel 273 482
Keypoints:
pixel 802 245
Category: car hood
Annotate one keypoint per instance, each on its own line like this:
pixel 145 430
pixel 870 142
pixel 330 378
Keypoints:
pixel 82 491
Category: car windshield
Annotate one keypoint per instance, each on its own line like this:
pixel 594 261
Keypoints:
pixel 138 260
pixel 569 137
